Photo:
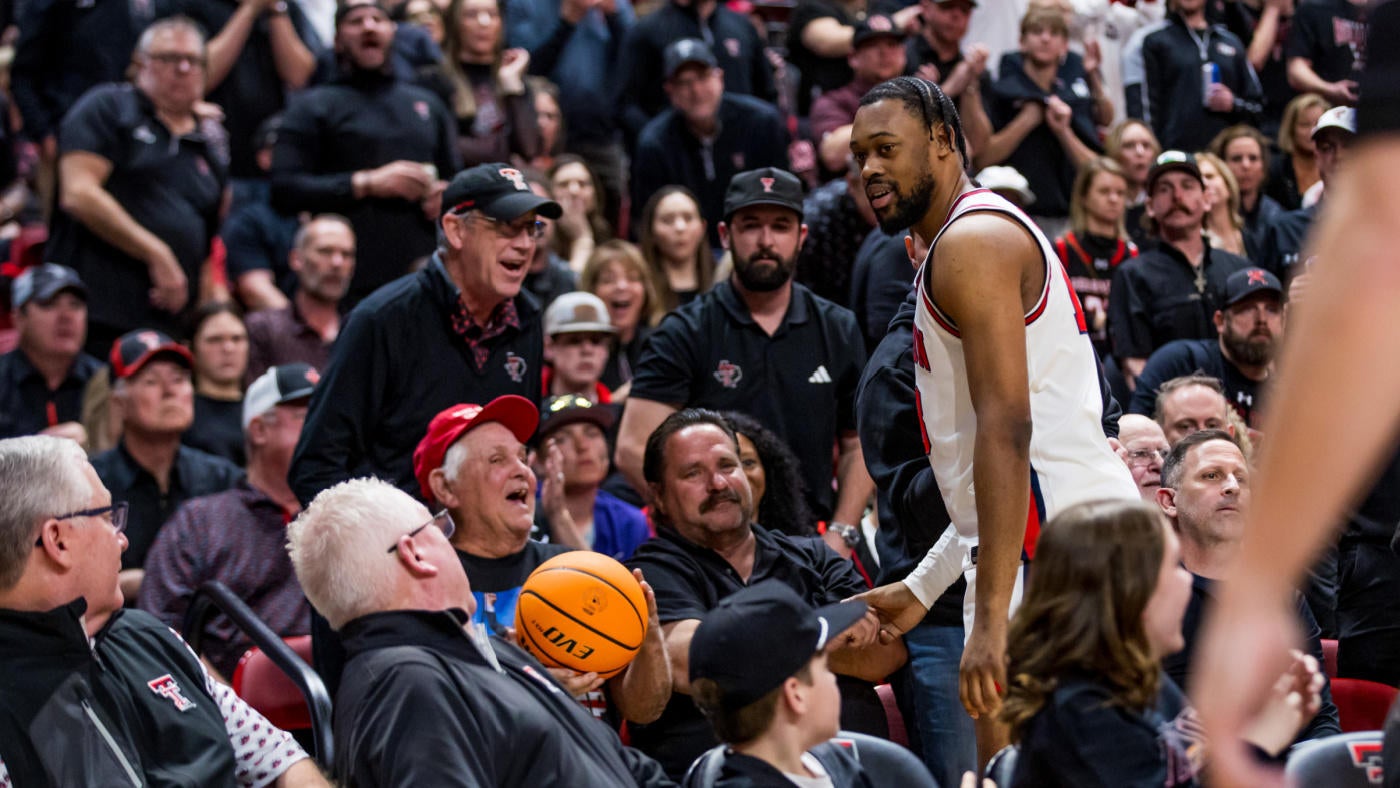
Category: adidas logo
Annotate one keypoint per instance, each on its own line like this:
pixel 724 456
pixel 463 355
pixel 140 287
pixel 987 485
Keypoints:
pixel 820 376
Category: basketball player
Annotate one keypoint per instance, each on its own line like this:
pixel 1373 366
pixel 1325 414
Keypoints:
pixel 1007 381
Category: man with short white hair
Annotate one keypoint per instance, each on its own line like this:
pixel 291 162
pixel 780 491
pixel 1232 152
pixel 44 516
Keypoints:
pixel 1143 447
pixel 90 693
pixel 384 573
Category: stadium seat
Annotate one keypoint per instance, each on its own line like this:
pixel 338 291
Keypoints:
pixel 884 761
pixel 259 681
pixel 1002 766
pixel 1347 760
pixel 1329 657
pixel 893 718
pixel 1362 704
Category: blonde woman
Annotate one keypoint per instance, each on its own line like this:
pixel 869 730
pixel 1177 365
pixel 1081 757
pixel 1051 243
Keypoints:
pixel 1293 172
pixel 1224 224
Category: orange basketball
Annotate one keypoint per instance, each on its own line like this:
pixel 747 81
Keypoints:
pixel 582 610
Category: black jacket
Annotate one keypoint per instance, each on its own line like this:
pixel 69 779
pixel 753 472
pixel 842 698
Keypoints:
pixel 420 704
pixel 1173 89
pixel 395 365
pixel 78 714
pixel 1157 297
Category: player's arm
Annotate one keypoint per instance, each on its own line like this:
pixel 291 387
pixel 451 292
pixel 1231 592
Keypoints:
pixel 978 268
pixel 859 652
pixel 640 418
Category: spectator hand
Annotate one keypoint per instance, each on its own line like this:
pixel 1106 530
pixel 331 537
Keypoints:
pixel 578 684
pixel 1221 98
pixel 1343 91
pixel 653 618
pixel 1057 115
pixel 969 780
pixel 432 201
pixel 406 180
pixel 982 676
pixel 865 632
pixel 510 77
pixel 170 287
pixel 929 72
pixel 1093 56
pixel 68 429
pixel 896 607
pixel 977 57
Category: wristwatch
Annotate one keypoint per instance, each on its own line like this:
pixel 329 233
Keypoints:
pixel 848 533
pixel 278 8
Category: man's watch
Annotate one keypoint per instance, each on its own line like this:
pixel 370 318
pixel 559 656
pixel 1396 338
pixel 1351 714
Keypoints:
pixel 278 8
pixel 848 533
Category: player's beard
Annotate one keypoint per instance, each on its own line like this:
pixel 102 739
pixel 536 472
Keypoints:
pixel 908 210
pixel 766 279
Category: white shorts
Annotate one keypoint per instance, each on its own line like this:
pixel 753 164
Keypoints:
pixel 970 599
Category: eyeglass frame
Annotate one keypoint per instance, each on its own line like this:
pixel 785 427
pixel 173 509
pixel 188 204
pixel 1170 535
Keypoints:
pixel 504 229
pixel 1140 456
pixel 119 510
pixel 447 530
pixel 175 59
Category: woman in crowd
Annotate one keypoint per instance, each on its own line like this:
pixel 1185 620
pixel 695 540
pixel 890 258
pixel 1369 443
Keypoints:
pixel 1246 152
pixel 220 348
pixel 582 227
pixel 1132 144
pixel 1224 224
pixel 1097 241
pixel 781 505
pixel 673 244
pixel 427 15
pixel 1087 700
pixel 550 120
pixel 617 274
pixel 1294 171
pixel 483 85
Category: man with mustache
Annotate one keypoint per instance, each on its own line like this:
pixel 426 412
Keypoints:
pixel 1173 291
pixel 1251 328
pixel 707 547
pixel 762 345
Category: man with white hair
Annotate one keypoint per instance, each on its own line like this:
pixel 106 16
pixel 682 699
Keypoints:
pixel 90 693
pixel 427 698
pixel 1143 447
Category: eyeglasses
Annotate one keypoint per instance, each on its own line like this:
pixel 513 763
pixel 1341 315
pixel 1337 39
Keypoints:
pixel 534 227
pixel 116 517
pixel 175 59
pixel 1146 456
pixel 442 520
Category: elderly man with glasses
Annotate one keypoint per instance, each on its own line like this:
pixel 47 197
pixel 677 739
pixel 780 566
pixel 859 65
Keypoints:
pixel 428 696
pixel 91 693
pixel 460 330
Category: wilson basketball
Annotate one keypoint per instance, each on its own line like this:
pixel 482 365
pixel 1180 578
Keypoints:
pixel 582 610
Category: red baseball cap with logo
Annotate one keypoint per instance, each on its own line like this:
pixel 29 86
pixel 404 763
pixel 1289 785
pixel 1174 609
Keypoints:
pixel 135 349
pixel 516 413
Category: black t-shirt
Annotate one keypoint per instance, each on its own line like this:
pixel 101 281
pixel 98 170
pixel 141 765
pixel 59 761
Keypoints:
pixel 217 429
pixel 1378 110
pixel 1331 34
pixel 1186 356
pixel 818 73
pixel 496 582
pixel 171 186
pixel 257 238
pixel 919 52
pixel 26 403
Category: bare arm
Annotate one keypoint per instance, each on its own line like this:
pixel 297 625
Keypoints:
pixel 1302 78
pixel 294 60
pixel 678 635
pixel 979 283
pixel 223 49
pixel 639 418
pixel 257 291
pixel 827 37
pixel 643 689
pixel 1340 408
pixel 302 774
pixel 853 483
pixel 1265 34
pixel 860 653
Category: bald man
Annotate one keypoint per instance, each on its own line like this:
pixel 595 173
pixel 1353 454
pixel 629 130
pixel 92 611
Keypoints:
pixel 1143 448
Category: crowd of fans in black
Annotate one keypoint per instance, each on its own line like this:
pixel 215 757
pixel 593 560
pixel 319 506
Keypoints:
pixel 590 276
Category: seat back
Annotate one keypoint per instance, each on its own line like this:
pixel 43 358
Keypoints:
pixel 1362 704
pixel 1002 766
pixel 1347 760
pixel 894 719
pixel 884 761
pixel 259 681
pixel 1329 657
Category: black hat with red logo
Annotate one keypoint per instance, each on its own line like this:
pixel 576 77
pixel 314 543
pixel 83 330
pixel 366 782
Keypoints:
pixel 764 186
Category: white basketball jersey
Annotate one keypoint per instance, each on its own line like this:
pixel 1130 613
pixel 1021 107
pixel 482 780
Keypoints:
pixel 1070 458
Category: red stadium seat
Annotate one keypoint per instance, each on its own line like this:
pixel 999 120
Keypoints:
pixel 898 733
pixel 1361 704
pixel 1329 658
pixel 266 688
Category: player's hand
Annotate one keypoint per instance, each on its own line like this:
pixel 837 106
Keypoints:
pixel 982 675
pixel 1220 98
pixel 897 608
pixel 169 285
pixel 1294 699
pixel 578 684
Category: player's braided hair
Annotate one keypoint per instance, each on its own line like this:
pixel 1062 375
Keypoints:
pixel 926 101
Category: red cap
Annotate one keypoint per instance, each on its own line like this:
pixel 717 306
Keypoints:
pixel 134 349
pixel 517 414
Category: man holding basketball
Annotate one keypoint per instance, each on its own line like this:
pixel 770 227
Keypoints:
pixel 427 697
pixel 1007 380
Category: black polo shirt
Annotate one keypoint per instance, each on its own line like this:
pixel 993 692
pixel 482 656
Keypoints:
pixel 690 580
pixel 27 405
pixel 194 474
pixel 258 238
pixel 172 186
pixel 395 365
pixel 800 383
pixel 217 429
pixel 362 121
pixel 1283 241
pixel 1157 298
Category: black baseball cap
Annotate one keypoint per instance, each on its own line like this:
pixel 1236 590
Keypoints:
pixel 754 639
pixel 1174 160
pixel 876 26
pixel 1243 284
pixel 568 409
pixel 135 349
pixel 497 190
pixel 344 7
pixel 42 282
pixel 685 52
pixel 764 186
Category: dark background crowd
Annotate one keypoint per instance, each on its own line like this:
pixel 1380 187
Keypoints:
pixel 243 265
